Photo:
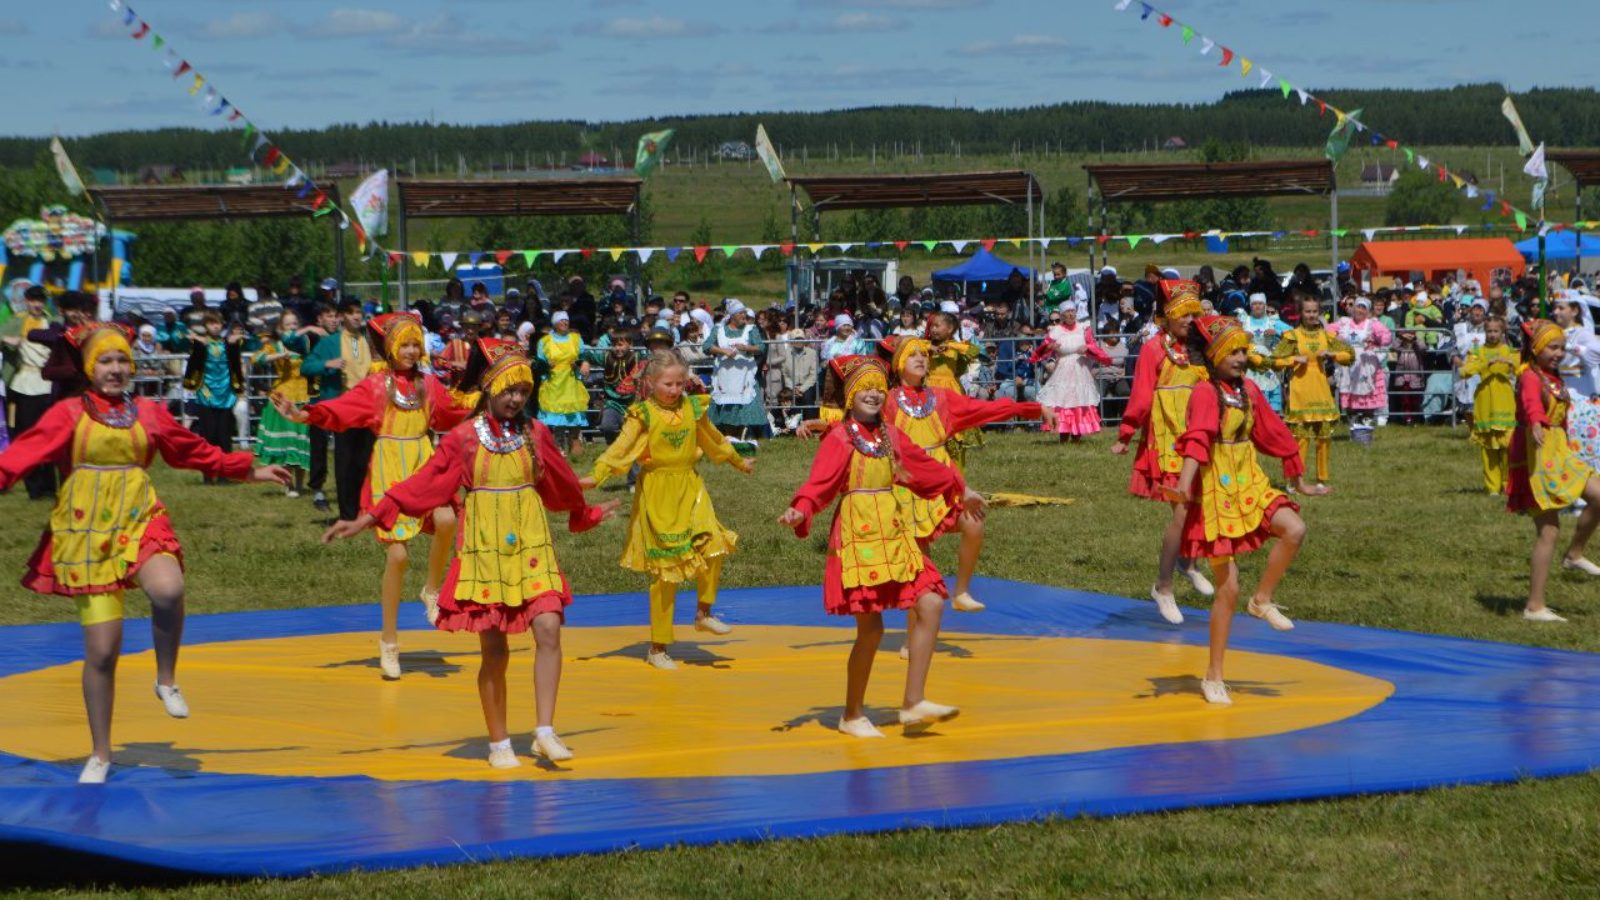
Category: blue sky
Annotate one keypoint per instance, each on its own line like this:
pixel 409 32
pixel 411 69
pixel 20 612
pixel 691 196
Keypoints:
pixel 305 63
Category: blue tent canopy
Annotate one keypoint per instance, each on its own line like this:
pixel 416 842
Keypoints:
pixel 981 266
pixel 1559 245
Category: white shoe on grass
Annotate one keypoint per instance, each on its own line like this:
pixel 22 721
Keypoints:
pixel 172 699
pixel 1580 564
pixel 1542 615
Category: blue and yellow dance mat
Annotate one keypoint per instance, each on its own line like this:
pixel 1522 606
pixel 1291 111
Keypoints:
pixel 299 759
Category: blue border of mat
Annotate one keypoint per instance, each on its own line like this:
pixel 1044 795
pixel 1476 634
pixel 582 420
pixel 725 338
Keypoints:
pixel 1463 711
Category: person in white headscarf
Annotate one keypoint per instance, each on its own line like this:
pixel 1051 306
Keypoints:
pixel 845 341
pixel 1364 384
pixel 1580 370
pixel 736 347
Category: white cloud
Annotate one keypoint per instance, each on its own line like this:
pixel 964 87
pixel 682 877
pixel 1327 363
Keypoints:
pixel 654 27
pixel 348 22
pixel 241 26
pixel 1021 45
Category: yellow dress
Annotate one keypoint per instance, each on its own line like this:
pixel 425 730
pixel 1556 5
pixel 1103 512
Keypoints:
pixel 927 431
pixel 562 397
pixel 1550 476
pixel 508 558
pixel 105 505
pixel 1308 396
pixel 1169 414
pixel 1494 404
pixel 1236 497
pixel 673 530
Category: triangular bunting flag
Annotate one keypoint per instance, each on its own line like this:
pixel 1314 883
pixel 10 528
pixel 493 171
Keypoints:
pixel 1369 232
pixel 1303 95
pixel 555 255
pixel 1322 107
pixel 729 250
pixel 420 258
pixel 1266 78
pixel 144 29
pixel 700 253
pixel 448 260
pixel 182 68
pixel 1205 45
pixel 1123 4
pixel 787 249
pixel 501 256
pixel 988 243
pixel 158 42
pixel 1227 57
pixel 586 252
pixel 1134 239
pixel 1410 157
pixel 1244 67
pixel 616 253
pixel 1422 162
pixel 1472 192
pixel 1285 86
pixel 1461 229
pixel 929 245
pixel 958 246
pixel 195 87
pixel 815 248
pixel 1340 232
pixel 1148 9
pixel 900 245
pixel 528 256
pixel 1522 221
pixel 1188 34
pixel 1165 20
pixel 645 253
pixel 672 253
pixel 758 249
pixel 395 258
pixel 1015 242
pixel 844 248
pixel 1073 241
pixel 1458 182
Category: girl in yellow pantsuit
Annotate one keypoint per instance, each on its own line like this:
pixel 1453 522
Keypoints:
pixel 1494 404
pixel 1308 399
pixel 673 532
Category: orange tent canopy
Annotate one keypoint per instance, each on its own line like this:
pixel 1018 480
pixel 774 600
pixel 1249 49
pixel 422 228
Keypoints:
pixel 1478 257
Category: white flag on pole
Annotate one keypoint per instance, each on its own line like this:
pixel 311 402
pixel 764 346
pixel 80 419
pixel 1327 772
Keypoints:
pixel 371 203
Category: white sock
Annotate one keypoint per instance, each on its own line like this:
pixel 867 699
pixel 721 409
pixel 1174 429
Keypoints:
pixel 500 745
pixel 544 731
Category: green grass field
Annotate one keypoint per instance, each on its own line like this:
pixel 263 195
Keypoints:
pixel 1407 541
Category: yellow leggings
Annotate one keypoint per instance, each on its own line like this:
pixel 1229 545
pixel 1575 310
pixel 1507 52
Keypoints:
pixel 1320 433
pixel 664 594
pixel 94 609
pixel 1496 468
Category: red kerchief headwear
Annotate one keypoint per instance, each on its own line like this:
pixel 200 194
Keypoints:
pixel 506 365
pixel 94 339
pixel 860 373
pixel 1183 299
pixel 1222 335
pixel 395 329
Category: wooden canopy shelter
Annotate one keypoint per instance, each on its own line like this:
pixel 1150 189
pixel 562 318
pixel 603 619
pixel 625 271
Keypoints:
pixel 1160 182
pixel 211 202
pixel 844 192
pixel 488 198
pixel 1585 168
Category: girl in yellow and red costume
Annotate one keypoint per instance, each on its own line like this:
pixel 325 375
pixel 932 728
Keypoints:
pixel 949 358
pixel 400 405
pixel 931 416
pixel 874 561
pixel 1307 395
pixel 1235 509
pixel 500 584
pixel 1157 410
pixel 109 532
pixel 1547 474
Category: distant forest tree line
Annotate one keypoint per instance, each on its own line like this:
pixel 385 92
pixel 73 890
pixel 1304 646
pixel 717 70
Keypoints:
pixel 1464 115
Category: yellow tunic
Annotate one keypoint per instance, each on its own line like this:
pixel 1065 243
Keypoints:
pixel 1557 474
pixel 947 362
pixel 104 506
pixel 928 433
pixel 561 391
pixel 673 530
pixel 874 546
pixel 401 448
pixel 1309 398
pixel 287 379
pixel 506 556
pixel 1234 491
pixel 1494 404
pixel 1169 410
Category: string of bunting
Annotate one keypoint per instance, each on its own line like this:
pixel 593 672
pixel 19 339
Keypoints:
pixel 255 143
pixel 448 259
pixel 1228 57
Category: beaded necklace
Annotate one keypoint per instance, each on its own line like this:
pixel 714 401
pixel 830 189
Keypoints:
pixel 913 408
pixel 510 442
pixel 875 446
pixel 1553 385
pixel 399 399
pixel 1179 356
pixel 115 417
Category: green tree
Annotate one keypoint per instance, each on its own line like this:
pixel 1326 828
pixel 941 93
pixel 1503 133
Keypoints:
pixel 1420 199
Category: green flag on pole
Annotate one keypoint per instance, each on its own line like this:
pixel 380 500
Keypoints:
pixel 651 146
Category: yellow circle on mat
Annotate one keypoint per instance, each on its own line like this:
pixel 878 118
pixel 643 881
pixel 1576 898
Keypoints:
pixel 761 701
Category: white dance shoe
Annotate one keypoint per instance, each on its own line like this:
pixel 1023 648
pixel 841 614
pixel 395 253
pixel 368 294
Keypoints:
pixel 1542 615
pixel 1581 565
pixel 860 727
pixel 1201 583
pixel 713 625
pixel 925 714
pixel 1271 613
pixel 660 660
pixel 430 606
pixel 172 699
pixel 503 758
pixel 389 659
pixel 1215 692
pixel 965 602
pixel 550 747
pixel 1168 606
pixel 95 770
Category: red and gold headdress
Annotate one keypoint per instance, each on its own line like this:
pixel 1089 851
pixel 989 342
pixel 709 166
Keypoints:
pixel 899 347
pixel 506 365
pixel 94 339
pixel 394 330
pixel 1182 299
pixel 1538 334
pixel 1222 335
pixel 860 373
